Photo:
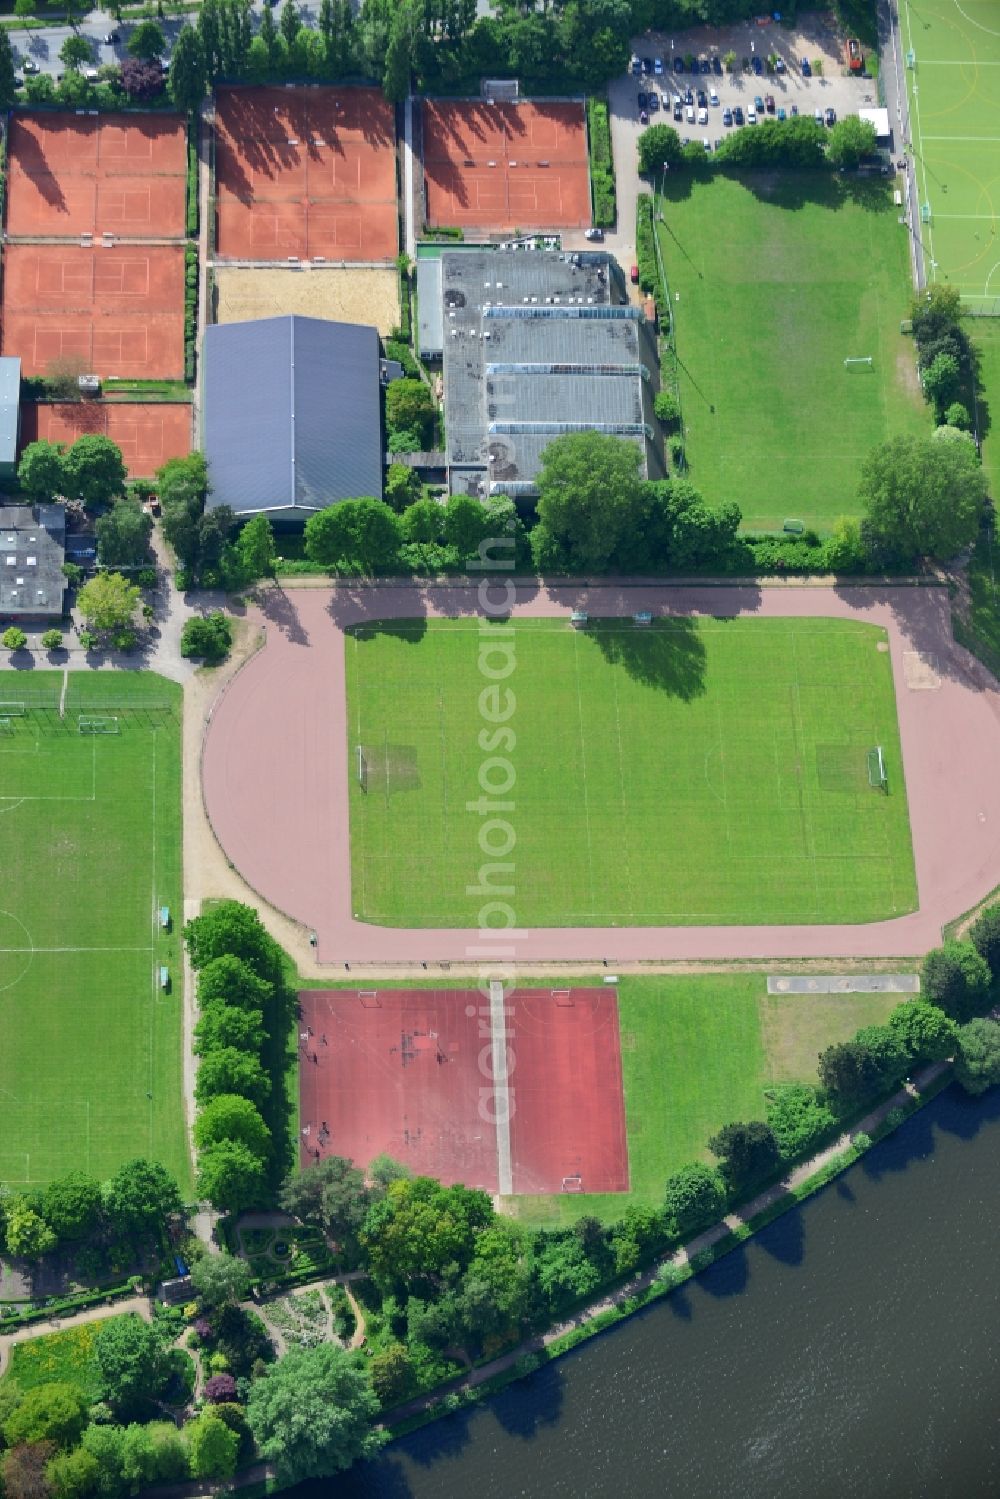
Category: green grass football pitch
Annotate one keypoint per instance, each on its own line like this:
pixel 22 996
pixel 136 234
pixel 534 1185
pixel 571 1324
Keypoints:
pixel 90 846
pixel 954 98
pixel 775 279
pixel 698 772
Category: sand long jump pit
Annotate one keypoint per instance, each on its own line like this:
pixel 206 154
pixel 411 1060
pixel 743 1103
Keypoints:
pixel 120 310
pixel 75 174
pixel 514 1092
pixel 345 294
pixel 305 172
pixel 506 165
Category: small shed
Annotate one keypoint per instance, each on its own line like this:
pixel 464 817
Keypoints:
pixel 165 918
pixel 175 1292
pixel 579 619
pixel 880 119
pixel 642 617
pixel 164 976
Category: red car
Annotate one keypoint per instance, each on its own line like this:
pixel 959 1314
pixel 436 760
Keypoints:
pixel 634 275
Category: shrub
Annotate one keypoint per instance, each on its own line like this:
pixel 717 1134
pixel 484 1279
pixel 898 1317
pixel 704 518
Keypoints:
pixel 208 636
pixel 984 934
pixel 957 979
pixel 667 407
pixel 957 416
pixel 798 1117
pixel 220 1388
pixel 602 172
pixel 52 640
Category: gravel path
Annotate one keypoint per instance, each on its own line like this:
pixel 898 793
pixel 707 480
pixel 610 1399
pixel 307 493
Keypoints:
pixel 281 724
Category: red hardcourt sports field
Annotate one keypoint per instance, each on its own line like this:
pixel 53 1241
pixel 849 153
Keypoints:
pixel 75 174
pixel 506 165
pixel 148 434
pixel 120 309
pixel 306 172
pixel 408 1072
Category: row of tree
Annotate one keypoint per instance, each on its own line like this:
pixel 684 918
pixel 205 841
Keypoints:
pixel 800 142
pixel 209 545
pixel 76 1210
pixel 947 360
pixel 240 1041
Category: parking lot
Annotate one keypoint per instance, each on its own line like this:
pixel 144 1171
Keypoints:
pixel 811 37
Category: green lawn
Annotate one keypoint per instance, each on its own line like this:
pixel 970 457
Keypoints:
pixel 775 279
pixel 954 94
pixel 90 846
pixel 65 1357
pixel 702 771
pixel 698 1053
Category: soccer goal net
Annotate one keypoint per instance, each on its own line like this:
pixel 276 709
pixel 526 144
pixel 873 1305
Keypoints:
pixel 362 769
pixel 862 361
pixel 12 710
pixel 499 89
pixel 88 724
pixel 877 778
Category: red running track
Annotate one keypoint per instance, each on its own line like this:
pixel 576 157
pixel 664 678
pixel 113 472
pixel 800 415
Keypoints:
pixel 281 725
pixel 408 1073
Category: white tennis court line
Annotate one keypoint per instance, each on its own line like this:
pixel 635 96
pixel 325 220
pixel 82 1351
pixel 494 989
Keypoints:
pixel 501 1087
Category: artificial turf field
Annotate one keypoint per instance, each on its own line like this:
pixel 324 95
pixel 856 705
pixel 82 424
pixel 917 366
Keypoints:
pixel 954 97
pixel 702 771
pixel 90 846
pixel 775 279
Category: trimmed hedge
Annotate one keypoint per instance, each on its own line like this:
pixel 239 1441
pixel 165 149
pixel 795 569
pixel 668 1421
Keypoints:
pixel 602 167
pixel 192 179
pixel 405 314
pixel 645 250
pixel 190 311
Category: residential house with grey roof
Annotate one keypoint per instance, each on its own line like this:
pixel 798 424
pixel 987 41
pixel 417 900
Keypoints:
pixel 32 552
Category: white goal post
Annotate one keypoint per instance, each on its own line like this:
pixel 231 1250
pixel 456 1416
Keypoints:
pixel 362 769
pixel 866 359
pixel 91 724
pixel 12 710
pixel 877 778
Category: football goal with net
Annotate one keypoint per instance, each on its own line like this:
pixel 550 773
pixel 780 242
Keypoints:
pixel 99 724
pixel 12 710
pixel 877 778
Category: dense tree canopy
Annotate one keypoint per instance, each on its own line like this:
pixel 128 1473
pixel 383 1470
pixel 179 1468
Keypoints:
pixel 129 1361
pixel 147 41
pixel 220 1279
pixel 419 1228
pixel 333 1194
pixel 694 1198
pixel 140 1196
pixel 849 1073
pixel 977 1064
pixel 362 535
pixel 123 534
pixel 40 472
pixel 921 499
pixel 227 1025
pixel 589 497
pixel 925 1032
pixel 108 602
pixel 226 979
pixel 311 1414
pixel 984 934
pixel 54 1412
pixel 850 139
pixel 72 1204
pixel 230 1071
pixel 956 978
pixel 94 471
pixel 659 147
pixel 747 1153
pixel 231 1177
pixel 187 81
pixel 230 929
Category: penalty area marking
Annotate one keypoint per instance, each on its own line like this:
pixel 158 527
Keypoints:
pixel 501 1087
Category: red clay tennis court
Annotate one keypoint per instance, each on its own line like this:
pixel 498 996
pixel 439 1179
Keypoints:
pixel 120 309
pixel 148 434
pixel 506 165
pixel 305 172
pixel 409 1072
pixel 86 174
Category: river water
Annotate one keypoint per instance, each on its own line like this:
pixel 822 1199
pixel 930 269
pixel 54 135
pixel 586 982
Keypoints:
pixel 851 1349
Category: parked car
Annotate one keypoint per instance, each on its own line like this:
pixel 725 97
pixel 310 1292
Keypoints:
pixel 757 65
pixel 717 65
pixel 706 143
pixel 657 66
pixel 807 71
pixel 642 98
pixel 727 116
pixel 689 114
pixel 818 116
pixel 751 117
pixel 29 65
pixel 794 109
pixel 643 117
pixel 769 103
pixel 112 37
pixel 597 234
pixel 667 102
pixel 831 117
pixel 634 275
pixel 781 114
pixel 705 65
pixel 758 104
pixel 713 97
pixel 779 64
pixel 678 111
pixel 703 117
pixel 689 96
pixel 653 103
pixel 647 64
pixel 635 67
pixel 678 64
pixel 702 99
pixel 738 114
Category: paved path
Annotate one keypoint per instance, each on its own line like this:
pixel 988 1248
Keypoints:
pixel 296 853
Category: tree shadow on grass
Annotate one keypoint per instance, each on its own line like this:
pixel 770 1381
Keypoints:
pixel 411 631
pixel 278 1058
pixel 668 655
